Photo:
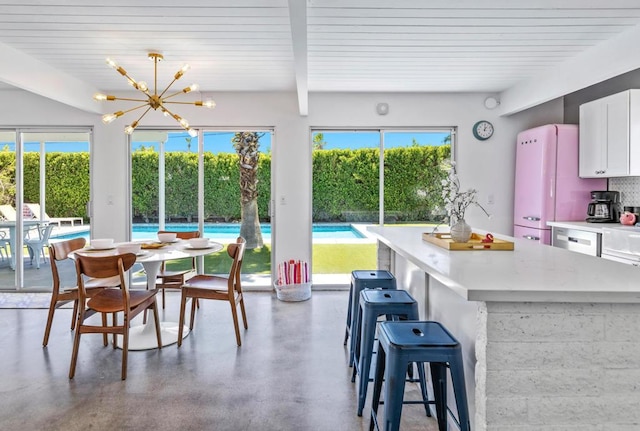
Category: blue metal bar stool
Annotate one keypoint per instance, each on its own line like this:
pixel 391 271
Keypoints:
pixel 395 304
pixel 360 280
pixel 402 342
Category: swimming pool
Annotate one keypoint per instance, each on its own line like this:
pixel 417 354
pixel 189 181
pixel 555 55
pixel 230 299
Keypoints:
pixel 230 231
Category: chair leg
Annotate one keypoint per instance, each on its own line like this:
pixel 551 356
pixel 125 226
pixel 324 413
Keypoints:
pixel 163 299
pixel 194 301
pixel 244 314
pixel 76 345
pixel 75 314
pixel 183 304
pixel 114 319
pixel 234 313
pixel 125 346
pixel 105 340
pixel 47 329
pixel 156 318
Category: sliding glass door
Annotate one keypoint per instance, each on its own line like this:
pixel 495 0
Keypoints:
pixel 370 177
pixel 218 183
pixel 45 190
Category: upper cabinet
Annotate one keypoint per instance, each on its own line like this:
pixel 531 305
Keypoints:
pixel 607 136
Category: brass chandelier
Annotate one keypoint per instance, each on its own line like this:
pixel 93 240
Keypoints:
pixel 153 101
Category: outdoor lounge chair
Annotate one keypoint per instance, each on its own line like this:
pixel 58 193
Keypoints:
pixel 34 211
pixel 8 212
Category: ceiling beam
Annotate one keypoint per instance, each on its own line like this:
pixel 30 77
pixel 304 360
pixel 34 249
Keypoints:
pixel 23 71
pixel 298 19
pixel 599 63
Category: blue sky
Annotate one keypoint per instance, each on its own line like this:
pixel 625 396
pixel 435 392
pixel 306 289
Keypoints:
pixel 216 142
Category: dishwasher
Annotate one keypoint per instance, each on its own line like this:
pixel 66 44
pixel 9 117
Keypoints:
pixel 580 241
pixel 621 245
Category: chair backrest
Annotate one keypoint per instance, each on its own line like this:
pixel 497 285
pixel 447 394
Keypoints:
pixel 46 233
pixel 104 267
pixel 236 252
pixel 59 251
pixel 183 235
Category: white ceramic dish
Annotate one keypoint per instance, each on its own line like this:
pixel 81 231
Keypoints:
pixel 199 243
pixel 167 237
pixel 201 247
pixel 101 244
pixel 129 247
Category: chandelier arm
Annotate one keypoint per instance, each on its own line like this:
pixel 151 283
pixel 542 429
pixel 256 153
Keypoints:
pixel 174 116
pixel 127 99
pixel 181 103
pixel 137 107
pixel 168 87
pixel 173 95
pixel 143 114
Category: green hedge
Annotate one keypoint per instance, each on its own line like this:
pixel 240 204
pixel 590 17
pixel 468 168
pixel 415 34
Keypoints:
pixel 345 184
pixel 67 181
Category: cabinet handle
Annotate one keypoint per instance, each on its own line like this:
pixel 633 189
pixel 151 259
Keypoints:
pixel 532 218
pixel 531 237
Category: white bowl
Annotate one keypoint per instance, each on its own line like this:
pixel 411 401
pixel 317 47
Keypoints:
pixel 199 242
pixel 129 247
pixel 102 243
pixel 167 237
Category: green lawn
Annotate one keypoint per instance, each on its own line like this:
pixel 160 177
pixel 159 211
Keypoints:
pixel 327 259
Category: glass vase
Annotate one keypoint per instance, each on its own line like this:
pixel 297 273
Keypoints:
pixel 460 231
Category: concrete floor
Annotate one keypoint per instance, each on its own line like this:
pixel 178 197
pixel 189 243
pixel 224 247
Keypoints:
pixel 291 373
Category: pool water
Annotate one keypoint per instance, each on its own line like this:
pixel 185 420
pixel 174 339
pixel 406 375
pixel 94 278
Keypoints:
pixel 231 231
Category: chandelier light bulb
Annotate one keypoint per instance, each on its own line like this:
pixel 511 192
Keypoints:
pixel 110 118
pixel 181 72
pixel 192 132
pixel 209 103
pixel 99 97
pixel 112 64
pixel 192 87
pixel 128 130
pixel 184 123
pixel 142 86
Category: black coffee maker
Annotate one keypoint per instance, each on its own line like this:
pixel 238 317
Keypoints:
pixel 604 207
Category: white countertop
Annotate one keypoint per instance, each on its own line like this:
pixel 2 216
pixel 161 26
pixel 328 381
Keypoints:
pixel 530 273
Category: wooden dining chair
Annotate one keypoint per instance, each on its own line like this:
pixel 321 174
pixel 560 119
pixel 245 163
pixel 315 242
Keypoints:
pixel 59 252
pixel 216 287
pixel 168 279
pixel 111 301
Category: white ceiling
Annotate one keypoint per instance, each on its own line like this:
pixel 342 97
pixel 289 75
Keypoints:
pixel 313 46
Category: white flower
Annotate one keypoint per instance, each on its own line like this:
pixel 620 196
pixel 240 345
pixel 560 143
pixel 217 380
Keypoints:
pixel 456 201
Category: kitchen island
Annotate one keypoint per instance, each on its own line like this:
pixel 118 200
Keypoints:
pixel 551 338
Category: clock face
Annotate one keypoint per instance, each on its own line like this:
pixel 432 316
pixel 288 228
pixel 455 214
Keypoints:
pixel 483 130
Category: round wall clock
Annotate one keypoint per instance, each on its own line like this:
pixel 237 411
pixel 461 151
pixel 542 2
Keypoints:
pixel 483 130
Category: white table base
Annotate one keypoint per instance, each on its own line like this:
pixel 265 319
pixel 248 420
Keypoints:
pixel 143 337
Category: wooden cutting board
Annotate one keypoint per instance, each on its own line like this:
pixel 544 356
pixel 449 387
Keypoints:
pixel 475 242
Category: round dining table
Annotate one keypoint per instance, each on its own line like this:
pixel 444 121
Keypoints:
pixel 143 337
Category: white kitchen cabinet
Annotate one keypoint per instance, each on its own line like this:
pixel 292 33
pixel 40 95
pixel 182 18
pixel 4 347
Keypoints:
pixel 609 145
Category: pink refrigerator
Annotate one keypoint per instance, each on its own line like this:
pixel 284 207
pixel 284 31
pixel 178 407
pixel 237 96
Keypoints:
pixel 547 186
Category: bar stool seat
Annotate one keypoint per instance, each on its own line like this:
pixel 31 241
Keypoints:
pixel 402 342
pixel 360 280
pixel 395 304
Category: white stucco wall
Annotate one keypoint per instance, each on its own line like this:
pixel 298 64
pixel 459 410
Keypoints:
pixel 487 166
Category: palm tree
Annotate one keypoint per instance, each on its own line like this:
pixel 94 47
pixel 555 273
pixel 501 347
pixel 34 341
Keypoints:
pixel 318 141
pixel 246 145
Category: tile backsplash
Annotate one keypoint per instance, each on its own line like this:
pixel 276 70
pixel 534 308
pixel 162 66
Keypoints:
pixel 629 188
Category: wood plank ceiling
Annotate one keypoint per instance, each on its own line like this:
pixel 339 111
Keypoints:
pixel 313 46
